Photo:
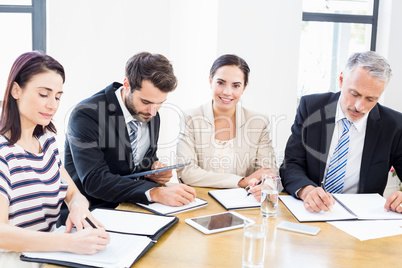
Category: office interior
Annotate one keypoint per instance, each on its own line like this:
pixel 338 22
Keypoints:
pixel 94 38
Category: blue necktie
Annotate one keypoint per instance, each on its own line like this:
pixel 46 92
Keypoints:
pixel 337 166
pixel 133 137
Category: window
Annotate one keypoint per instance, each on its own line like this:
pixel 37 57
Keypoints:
pixel 25 30
pixel 332 30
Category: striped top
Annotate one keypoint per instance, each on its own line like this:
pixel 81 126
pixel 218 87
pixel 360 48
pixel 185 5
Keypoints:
pixel 32 184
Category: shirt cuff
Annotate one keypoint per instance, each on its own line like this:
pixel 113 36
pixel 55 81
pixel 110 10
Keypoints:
pixel 148 195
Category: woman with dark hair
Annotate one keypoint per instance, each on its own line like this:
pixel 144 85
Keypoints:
pixel 33 182
pixel 228 145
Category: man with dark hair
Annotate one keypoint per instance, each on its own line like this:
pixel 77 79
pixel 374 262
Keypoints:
pixel 345 142
pixel 115 133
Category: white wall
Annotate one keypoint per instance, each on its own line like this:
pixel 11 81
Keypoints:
pixel 389 44
pixel 94 38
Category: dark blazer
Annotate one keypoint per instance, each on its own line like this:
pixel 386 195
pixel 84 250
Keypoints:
pixel 307 148
pixel 98 151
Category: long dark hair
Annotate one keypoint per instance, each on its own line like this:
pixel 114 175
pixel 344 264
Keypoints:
pixel 24 68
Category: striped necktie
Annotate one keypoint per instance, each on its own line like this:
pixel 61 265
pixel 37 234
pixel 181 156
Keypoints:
pixel 337 166
pixel 133 137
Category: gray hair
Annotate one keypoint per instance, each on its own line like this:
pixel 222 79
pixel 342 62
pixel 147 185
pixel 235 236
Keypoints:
pixel 376 65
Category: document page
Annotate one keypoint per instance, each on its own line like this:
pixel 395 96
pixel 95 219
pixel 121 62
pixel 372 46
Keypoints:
pixel 131 222
pixel 169 210
pixel 296 207
pixel 121 252
pixel 365 230
pixel 367 206
pixel 235 198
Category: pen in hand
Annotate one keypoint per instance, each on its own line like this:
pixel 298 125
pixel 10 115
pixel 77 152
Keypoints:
pixel 181 181
pixel 249 187
pixel 323 187
pixel 90 223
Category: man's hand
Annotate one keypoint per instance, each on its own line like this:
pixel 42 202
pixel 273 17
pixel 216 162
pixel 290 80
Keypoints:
pixel 315 199
pixel 175 195
pixel 161 177
pixel 394 202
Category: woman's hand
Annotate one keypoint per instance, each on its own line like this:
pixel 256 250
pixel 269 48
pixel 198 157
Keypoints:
pixel 255 175
pixel 88 241
pixel 254 189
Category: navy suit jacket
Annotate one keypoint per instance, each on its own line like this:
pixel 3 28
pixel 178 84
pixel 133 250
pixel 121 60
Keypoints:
pixel 307 148
pixel 98 151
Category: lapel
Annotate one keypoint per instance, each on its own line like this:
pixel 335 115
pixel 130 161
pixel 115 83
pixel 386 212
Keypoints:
pixel 373 130
pixel 327 130
pixel 208 137
pixel 118 124
pixel 207 127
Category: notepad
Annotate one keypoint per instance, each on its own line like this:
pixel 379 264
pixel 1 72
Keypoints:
pixel 131 235
pixel 236 198
pixel 347 207
pixel 162 209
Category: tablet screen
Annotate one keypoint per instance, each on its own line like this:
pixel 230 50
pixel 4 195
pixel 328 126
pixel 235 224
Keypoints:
pixel 219 221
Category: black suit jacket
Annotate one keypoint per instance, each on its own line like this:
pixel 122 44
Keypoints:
pixel 307 148
pixel 98 151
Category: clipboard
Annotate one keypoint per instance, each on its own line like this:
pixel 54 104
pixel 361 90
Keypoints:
pixel 154 171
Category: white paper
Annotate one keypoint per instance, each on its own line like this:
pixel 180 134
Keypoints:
pixel 235 198
pixel 297 208
pixel 164 209
pixel 363 206
pixel 131 222
pixel 368 206
pixel 120 252
pixel 366 229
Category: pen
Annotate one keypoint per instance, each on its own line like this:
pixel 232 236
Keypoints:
pixel 323 187
pixel 248 187
pixel 90 222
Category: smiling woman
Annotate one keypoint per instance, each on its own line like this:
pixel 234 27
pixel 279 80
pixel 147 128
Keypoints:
pixel 228 145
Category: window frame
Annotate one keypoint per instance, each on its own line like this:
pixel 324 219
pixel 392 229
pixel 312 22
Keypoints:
pixel 348 18
pixel 38 15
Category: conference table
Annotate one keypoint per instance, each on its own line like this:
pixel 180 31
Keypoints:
pixel 184 246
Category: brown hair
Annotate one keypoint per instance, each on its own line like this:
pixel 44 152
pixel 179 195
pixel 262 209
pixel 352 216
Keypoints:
pixel 24 68
pixel 155 68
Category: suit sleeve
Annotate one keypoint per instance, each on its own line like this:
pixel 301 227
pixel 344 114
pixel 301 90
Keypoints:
pixel 86 136
pixel 294 169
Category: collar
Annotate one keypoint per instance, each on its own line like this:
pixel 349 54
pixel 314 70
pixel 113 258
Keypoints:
pixel 240 117
pixel 359 125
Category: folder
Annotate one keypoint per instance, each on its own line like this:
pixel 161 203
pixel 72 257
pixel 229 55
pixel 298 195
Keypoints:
pixel 132 234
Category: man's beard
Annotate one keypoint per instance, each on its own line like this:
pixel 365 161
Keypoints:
pixel 128 101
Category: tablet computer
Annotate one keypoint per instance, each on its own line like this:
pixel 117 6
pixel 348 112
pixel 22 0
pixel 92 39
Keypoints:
pixel 219 222
pixel 153 171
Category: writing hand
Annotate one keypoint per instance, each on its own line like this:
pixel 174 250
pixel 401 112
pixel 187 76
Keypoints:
pixel 315 199
pixel 175 195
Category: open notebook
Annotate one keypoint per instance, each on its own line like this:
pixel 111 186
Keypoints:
pixel 236 198
pixel 347 207
pixel 131 235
